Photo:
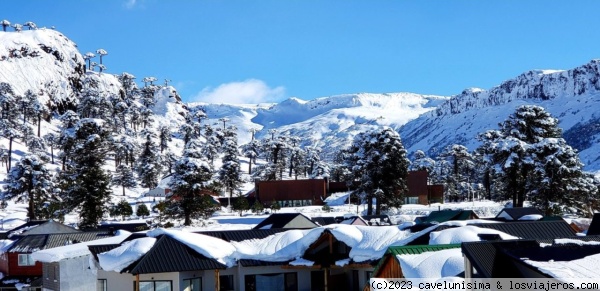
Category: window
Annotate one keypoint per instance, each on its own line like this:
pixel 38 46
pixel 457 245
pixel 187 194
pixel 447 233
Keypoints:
pixel 194 284
pixel 274 282
pixel 412 200
pixel 26 260
pixel 226 283
pixel 101 286
pixel 155 286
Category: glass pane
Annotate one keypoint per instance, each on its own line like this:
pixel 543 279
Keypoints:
pixel 273 282
pixel 101 285
pixel 146 286
pixel 162 286
pixel 226 283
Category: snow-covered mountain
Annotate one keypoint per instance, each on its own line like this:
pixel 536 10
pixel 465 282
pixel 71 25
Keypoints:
pixel 328 122
pixel 46 61
pixel 573 96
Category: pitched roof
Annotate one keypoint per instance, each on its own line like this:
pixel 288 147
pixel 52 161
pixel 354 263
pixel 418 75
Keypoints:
pixel 514 213
pixel 493 259
pixel 533 229
pixel 286 220
pixel 36 242
pixel 323 220
pixel 241 235
pixel 21 228
pixel 377 219
pixel 447 215
pixel 170 255
pixel 594 228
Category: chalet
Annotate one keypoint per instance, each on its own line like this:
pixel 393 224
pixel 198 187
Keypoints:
pixel 17 262
pixel 286 221
pixel 290 193
pixel 420 191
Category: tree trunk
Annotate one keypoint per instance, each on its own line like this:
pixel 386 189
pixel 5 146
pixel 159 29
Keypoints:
pixel 39 123
pixel 369 205
pixel 10 141
pixel 123 190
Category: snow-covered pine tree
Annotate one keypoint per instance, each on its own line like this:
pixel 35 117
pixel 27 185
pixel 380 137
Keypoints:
pixel 213 144
pixel 296 158
pixel 164 136
pixel 123 176
pixel 312 158
pixel 149 166
pixel 7 100
pixel 456 172
pixel 65 139
pixel 378 163
pixel 30 181
pixel 125 148
pixel 7 128
pixel 85 183
pixel 531 160
pixel 229 174
pixel 559 182
pixel 251 151
pixel 189 185
pixel 421 162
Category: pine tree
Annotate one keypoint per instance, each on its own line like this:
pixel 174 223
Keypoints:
pixel 241 204
pixel 123 177
pixel 530 160
pixel 379 165
pixel 122 209
pixel 456 172
pixel 148 164
pixel 142 210
pixel 85 183
pixel 229 174
pixel 30 181
pixel 164 137
pixel 189 185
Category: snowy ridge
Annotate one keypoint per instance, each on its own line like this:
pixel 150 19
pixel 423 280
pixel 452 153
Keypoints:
pixel 571 96
pixel 42 60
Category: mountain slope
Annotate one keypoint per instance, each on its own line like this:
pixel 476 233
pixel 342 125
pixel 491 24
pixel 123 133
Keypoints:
pixel 572 96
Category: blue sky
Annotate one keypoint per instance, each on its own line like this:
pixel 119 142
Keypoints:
pixel 263 51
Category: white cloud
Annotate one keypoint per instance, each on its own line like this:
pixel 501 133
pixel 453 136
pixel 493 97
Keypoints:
pixel 129 4
pixel 249 91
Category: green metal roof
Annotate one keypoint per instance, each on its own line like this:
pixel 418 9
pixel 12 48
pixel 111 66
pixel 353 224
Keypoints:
pixel 447 215
pixel 412 250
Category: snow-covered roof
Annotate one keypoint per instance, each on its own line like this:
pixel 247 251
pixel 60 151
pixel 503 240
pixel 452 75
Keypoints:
pixel 76 250
pixel 464 234
pixel 366 243
pixel 438 264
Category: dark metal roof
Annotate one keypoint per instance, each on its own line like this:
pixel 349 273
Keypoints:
pixel 494 259
pixel 32 243
pixel 323 220
pixel 28 224
pixel 286 220
pixel 517 212
pixel 98 249
pixel 533 229
pixel 447 215
pixel 258 263
pixel 488 259
pixel 170 255
pixel 377 219
pixel 241 235
pixel 131 227
pixel 594 228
